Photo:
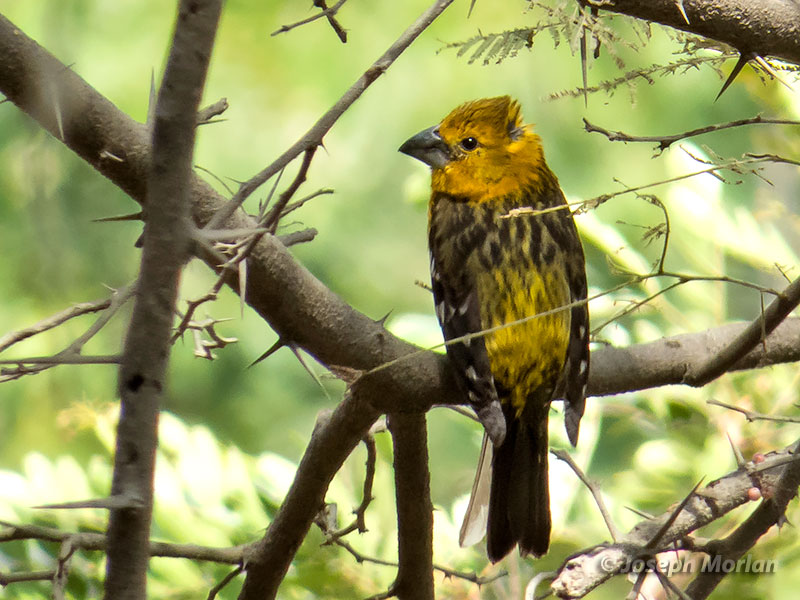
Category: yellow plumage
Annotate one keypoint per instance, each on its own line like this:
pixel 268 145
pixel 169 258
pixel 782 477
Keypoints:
pixel 494 271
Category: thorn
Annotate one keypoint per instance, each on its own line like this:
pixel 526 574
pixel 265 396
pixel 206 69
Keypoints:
pixel 766 66
pixel 111 502
pixel 740 461
pixel 151 101
pixel 242 286
pixel 471 6
pixel 584 70
pixel 139 216
pixel 665 527
pixel 59 117
pixel 280 343
pixel 382 320
pixel 744 57
pixel 110 156
pixel 641 513
pixel 296 351
pixel 679 4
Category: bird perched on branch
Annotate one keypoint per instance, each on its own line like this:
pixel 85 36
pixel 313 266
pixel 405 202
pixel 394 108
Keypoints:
pixel 506 264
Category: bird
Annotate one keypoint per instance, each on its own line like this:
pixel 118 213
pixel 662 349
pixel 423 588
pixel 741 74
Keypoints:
pixel 508 277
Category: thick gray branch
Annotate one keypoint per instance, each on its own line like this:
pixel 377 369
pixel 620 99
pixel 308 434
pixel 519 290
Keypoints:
pixel 763 27
pixel 412 483
pixel 674 360
pixel 167 242
pixel 332 441
pixel 304 311
pixel 583 572
pixel 296 304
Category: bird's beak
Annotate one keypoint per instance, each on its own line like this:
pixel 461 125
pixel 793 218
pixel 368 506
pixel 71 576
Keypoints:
pixel 428 147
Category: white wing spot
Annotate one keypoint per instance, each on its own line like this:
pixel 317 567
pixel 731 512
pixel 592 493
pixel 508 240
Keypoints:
pixel 450 312
pixel 582 331
pixel 584 364
pixel 440 311
pixel 473 376
pixel 462 310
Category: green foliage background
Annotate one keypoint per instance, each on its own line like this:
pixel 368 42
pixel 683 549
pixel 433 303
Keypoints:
pixel 231 435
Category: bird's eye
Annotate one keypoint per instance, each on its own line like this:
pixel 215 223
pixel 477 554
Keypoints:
pixel 469 143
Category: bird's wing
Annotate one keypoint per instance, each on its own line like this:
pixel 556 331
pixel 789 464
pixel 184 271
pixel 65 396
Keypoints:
pixel 576 367
pixel 458 311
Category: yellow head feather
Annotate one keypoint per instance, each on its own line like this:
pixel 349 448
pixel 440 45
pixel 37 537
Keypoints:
pixel 493 154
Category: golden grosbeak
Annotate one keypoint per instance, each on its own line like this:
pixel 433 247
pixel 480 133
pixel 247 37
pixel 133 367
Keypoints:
pixel 506 260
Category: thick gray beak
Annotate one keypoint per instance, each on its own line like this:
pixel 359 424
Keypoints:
pixel 428 147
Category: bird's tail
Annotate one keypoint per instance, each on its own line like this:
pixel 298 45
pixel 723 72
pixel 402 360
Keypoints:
pixel 519 499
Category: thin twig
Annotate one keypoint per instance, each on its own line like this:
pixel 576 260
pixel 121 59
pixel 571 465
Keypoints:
pixel 751 415
pixel 359 523
pixel 212 593
pixel 328 12
pixel 53 321
pixel 313 137
pixel 466 576
pixel 665 141
pixel 593 489
pixel 97 542
pixel 272 218
pixel 776 312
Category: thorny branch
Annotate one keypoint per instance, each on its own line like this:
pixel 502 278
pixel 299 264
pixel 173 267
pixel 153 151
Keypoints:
pixel 72 353
pixel 53 321
pixel 97 542
pixel 166 247
pixel 313 137
pixel 593 489
pixel 327 12
pixel 770 512
pixel 125 172
pixel 761 27
pixel 754 334
pixel 776 473
pixel 665 141
pixel 752 415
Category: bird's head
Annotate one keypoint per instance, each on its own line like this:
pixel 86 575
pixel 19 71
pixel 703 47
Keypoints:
pixel 480 151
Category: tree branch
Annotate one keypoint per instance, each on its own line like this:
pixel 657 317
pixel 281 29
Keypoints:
pixel 53 321
pixel 414 508
pixel 97 541
pixel 763 27
pixel 665 141
pixel 306 313
pixel 333 439
pixel 313 136
pixel 669 360
pixel 770 512
pixel 584 571
pixel 296 304
pixel 167 241
pixel 756 332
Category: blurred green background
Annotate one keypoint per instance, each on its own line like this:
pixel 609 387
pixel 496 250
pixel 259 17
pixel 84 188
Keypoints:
pixel 232 435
